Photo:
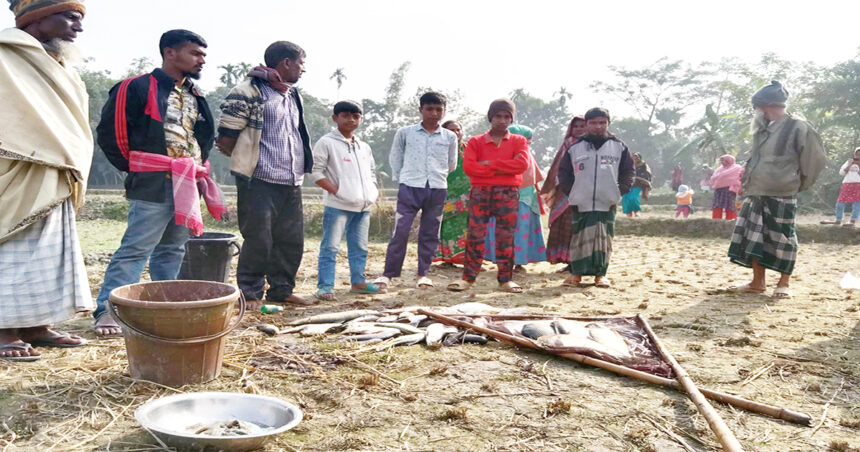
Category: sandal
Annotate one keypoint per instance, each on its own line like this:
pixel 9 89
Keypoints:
pixel 23 346
pixel 382 282
pixel 424 283
pixel 602 282
pixel 368 289
pixel 59 340
pixel 459 286
pixel 781 293
pixel 572 281
pixel 510 287
pixel 325 296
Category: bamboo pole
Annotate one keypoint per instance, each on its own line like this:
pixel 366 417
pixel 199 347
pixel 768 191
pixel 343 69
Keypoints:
pixel 721 430
pixel 761 408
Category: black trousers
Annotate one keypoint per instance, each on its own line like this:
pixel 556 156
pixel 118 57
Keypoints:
pixel 272 226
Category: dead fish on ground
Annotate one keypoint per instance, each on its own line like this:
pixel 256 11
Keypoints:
pixel 436 332
pixel 611 339
pixel 383 333
pixel 361 328
pixel 565 326
pixel 416 320
pixel 407 339
pixel 317 329
pixel 387 319
pixel 271 330
pixel 573 341
pixel 535 330
pixel 365 318
pixel 404 327
pixel 334 317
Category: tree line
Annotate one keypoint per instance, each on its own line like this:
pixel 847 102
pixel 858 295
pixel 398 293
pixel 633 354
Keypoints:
pixel 682 113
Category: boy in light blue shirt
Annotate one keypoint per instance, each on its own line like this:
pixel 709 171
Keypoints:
pixel 421 157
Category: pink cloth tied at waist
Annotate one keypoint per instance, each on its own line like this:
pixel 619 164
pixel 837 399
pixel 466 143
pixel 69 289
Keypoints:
pixel 190 180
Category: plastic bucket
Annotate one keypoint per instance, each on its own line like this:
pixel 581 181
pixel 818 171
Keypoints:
pixel 174 330
pixel 208 257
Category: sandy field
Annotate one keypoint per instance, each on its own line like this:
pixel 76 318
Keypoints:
pixel 800 354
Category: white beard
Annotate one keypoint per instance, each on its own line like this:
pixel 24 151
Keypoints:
pixel 758 122
pixel 64 52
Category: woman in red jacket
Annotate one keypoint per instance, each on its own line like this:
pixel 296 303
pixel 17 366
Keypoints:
pixel 494 162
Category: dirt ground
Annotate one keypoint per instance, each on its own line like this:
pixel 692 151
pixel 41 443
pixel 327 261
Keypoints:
pixel 800 354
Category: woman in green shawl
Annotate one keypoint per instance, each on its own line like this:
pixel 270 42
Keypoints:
pixel 455 217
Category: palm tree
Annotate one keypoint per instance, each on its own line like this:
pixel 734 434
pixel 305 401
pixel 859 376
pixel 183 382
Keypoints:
pixel 338 76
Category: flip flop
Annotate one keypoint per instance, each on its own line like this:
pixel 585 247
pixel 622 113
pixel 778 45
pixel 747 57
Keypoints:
pixel 459 286
pixel 603 283
pixel 21 359
pixel 55 341
pixel 424 283
pixel 382 281
pixel 745 288
pixel 781 293
pixel 510 287
pixel 368 289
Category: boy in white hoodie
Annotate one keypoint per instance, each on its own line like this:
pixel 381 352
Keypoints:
pixel 345 169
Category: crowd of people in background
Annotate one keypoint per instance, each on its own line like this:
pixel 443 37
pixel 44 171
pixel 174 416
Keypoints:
pixel 480 198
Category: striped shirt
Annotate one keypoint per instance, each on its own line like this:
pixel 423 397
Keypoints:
pixel 282 158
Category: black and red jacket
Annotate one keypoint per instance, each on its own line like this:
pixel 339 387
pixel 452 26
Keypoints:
pixel 140 128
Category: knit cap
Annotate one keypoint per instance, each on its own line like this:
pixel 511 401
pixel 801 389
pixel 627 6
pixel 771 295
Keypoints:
pixel 29 11
pixel 773 94
pixel 683 189
pixel 519 129
pixel 501 105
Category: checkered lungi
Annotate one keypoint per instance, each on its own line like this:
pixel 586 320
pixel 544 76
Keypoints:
pixel 43 279
pixel 765 231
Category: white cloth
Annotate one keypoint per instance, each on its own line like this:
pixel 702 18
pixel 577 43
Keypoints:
pixel 43 279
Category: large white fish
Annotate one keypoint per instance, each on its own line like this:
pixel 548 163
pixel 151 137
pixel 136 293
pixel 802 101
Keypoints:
pixel 476 308
pixel 435 333
pixel 333 317
pixel 611 340
pixel 407 339
pixel 574 327
pixel 569 340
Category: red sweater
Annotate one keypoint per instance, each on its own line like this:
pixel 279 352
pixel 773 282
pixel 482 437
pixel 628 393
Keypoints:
pixel 506 162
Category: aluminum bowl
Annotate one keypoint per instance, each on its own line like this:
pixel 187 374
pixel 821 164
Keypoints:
pixel 168 419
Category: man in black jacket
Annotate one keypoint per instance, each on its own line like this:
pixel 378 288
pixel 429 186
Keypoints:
pixel 158 113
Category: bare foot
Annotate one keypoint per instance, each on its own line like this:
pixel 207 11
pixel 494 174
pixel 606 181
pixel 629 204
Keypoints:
pixel 106 327
pixel 519 269
pixel 297 300
pixel 572 281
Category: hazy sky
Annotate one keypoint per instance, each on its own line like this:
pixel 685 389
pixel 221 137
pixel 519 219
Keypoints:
pixel 484 48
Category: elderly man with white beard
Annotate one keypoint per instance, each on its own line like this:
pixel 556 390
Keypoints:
pixel 786 159
pixel 46 147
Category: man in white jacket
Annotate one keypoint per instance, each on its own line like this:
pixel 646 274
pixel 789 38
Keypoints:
pixel 345 169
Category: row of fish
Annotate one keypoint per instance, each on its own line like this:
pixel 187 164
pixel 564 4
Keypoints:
pixel 389 327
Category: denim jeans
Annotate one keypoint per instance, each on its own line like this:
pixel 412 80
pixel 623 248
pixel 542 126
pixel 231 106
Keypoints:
pixel 356 226
pixel 840 210
pixel 152 234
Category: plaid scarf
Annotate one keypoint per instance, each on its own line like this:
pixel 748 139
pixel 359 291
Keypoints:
pixel 270 75
pixel 189 181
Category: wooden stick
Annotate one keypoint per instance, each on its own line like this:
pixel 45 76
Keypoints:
pixel 721 430
pixel 761 408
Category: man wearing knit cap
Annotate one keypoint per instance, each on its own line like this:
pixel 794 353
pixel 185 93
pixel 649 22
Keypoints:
pixel 45 152
pixel 786 159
